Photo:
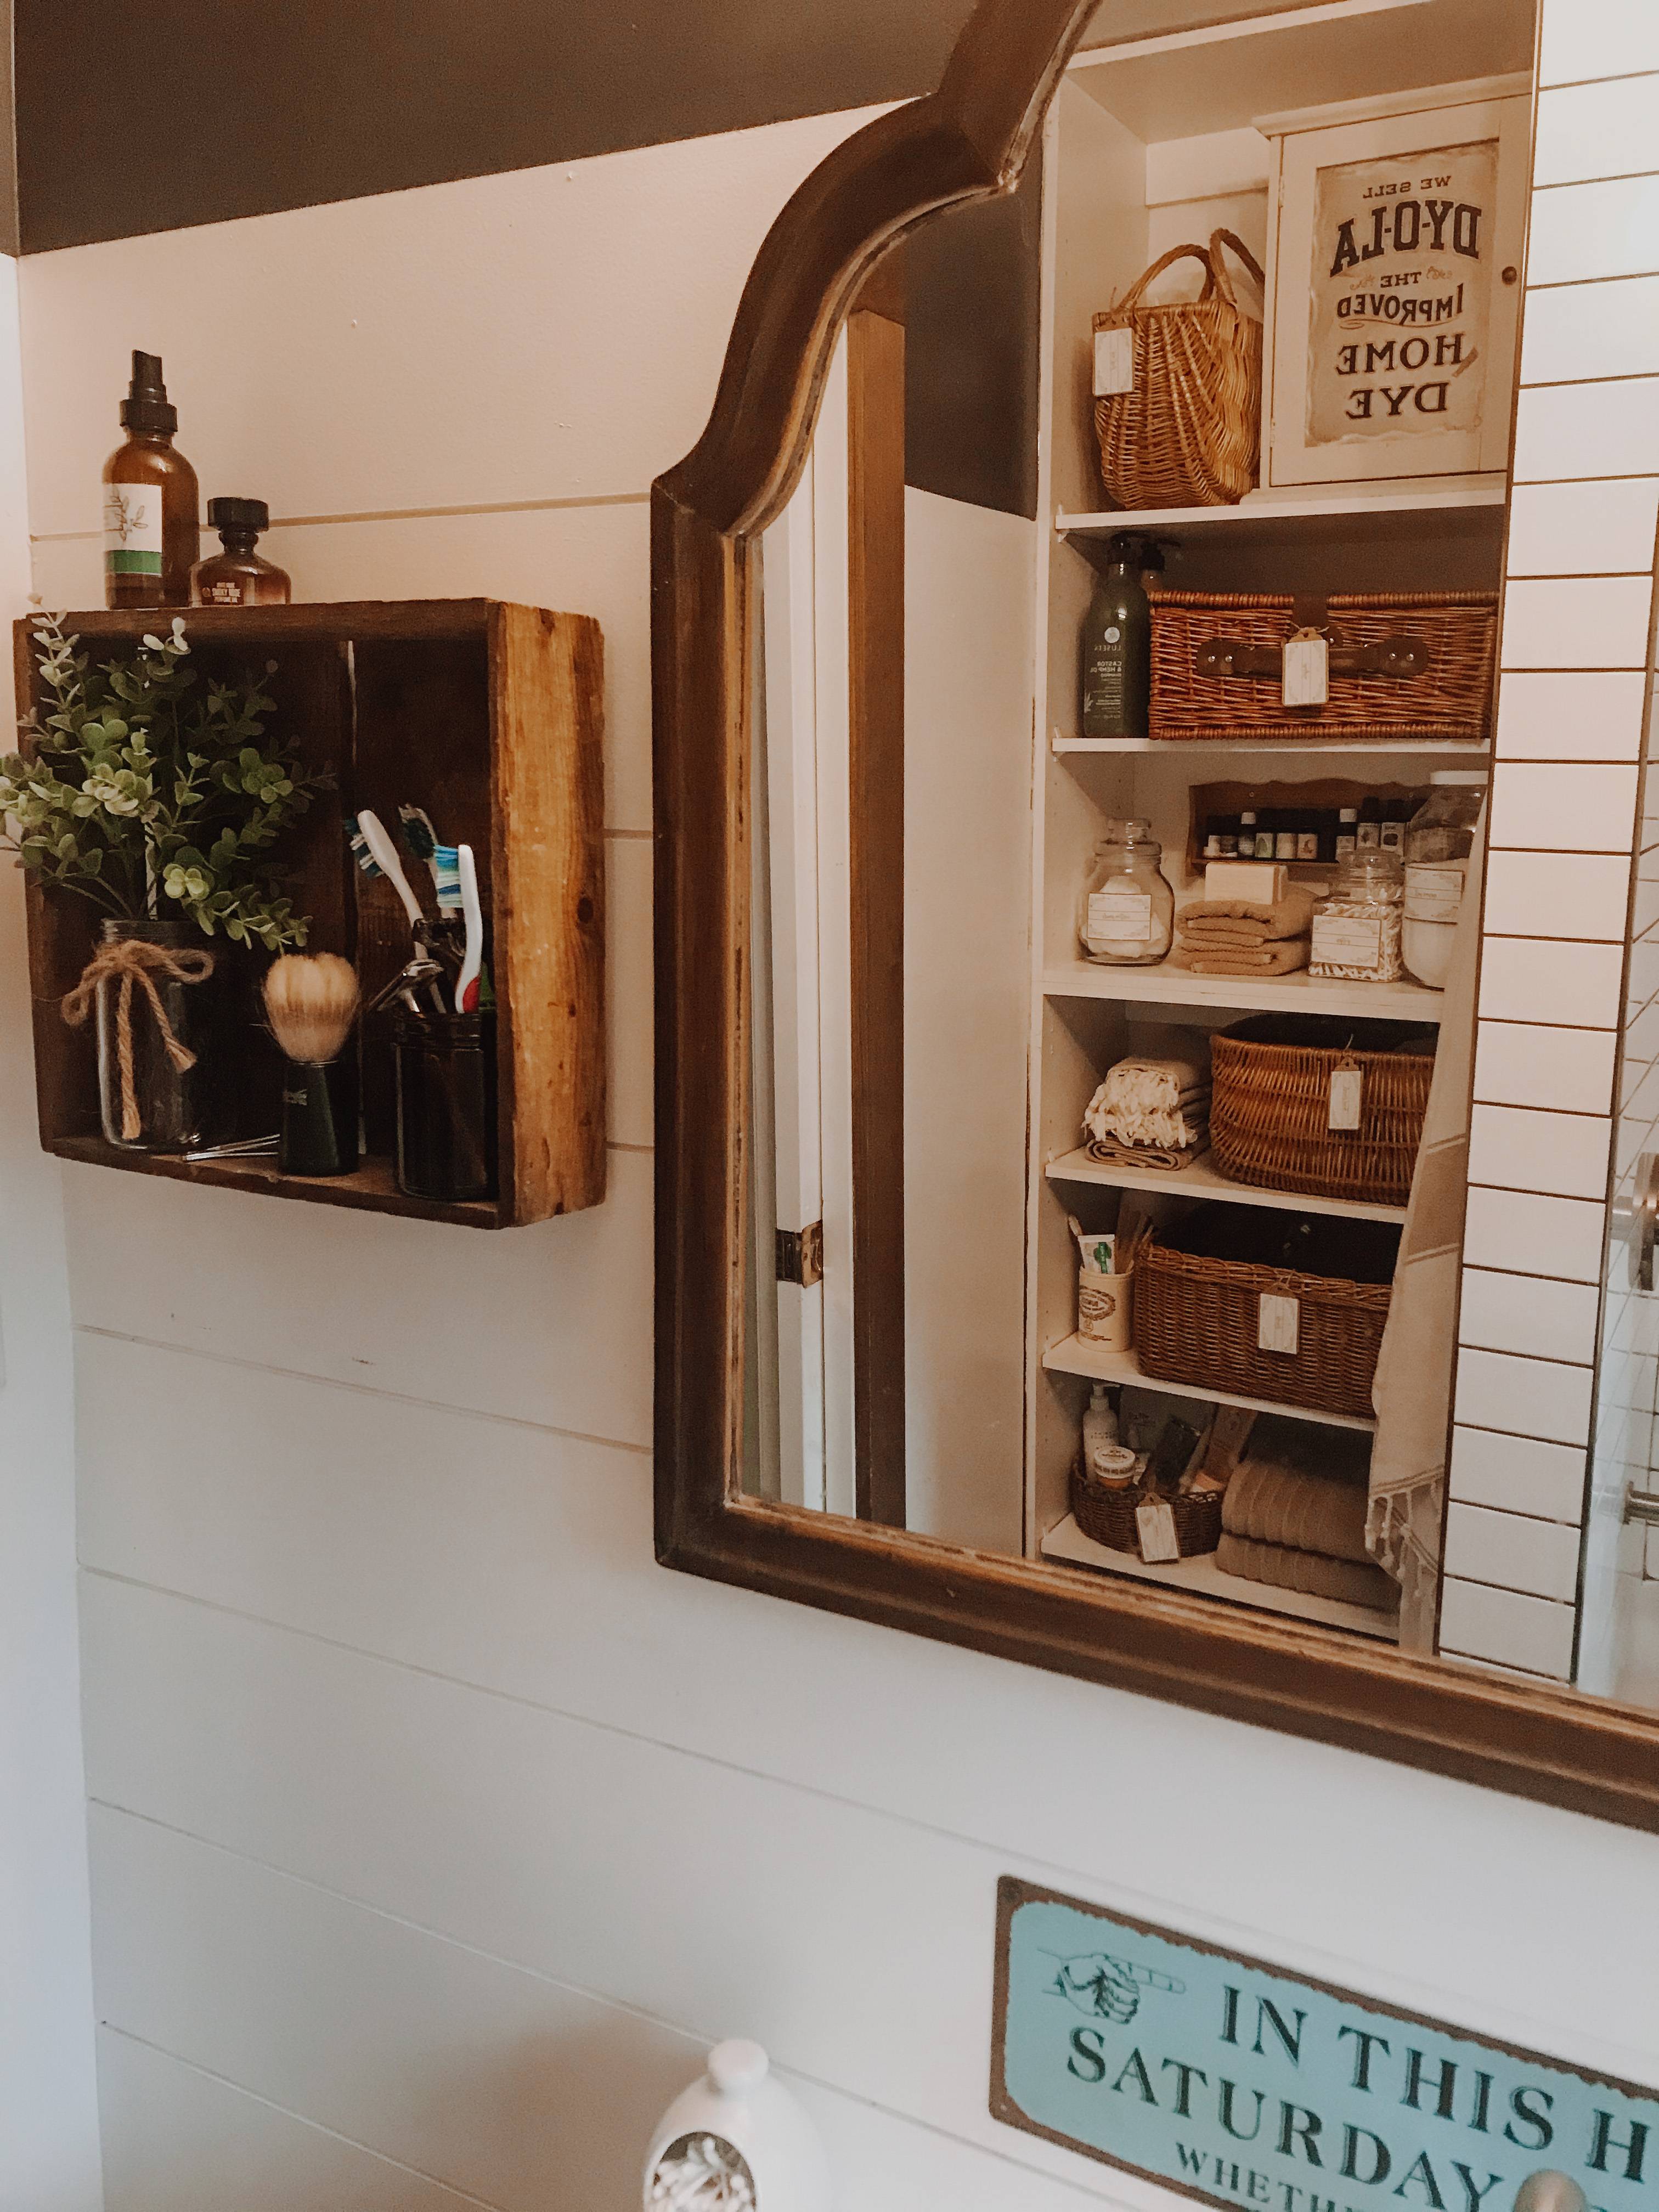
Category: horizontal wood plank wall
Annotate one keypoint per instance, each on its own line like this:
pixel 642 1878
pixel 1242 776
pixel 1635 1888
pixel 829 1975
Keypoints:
pixel 435 1826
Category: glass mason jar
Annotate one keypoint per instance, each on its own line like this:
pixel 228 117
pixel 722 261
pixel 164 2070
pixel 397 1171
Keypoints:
pixel 147 1102
pixel 1126 917
pixel 1357 929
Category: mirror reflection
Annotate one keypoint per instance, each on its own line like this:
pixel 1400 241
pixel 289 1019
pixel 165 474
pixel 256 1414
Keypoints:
pixel 1123 702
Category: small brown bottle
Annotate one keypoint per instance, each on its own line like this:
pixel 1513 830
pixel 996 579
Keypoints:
pixel 238 577
pixel 152 533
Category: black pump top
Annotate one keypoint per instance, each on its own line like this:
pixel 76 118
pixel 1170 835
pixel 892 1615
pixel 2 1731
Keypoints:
pixel 228 516
pixel 146 406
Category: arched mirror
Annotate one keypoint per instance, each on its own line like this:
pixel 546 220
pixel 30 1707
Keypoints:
pixel 1077 665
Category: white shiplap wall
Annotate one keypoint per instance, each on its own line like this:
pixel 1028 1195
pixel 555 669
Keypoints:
pixel 434 1827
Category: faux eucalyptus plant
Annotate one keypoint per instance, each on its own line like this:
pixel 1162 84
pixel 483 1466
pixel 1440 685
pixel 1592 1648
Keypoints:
pixel 154 795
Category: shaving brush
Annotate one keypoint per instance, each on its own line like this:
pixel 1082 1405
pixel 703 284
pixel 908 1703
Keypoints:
pixel 312 1001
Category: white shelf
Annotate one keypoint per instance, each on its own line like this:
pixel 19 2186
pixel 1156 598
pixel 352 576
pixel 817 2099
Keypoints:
pixel 1300 993
pixel 1201 1180
pixel 1067 1545
pixel 1195 749
pixel 1076 1355
pixel 1263 519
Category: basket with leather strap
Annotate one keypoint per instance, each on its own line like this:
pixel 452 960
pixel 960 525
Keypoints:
pixel 1270 1106
pixel 1199 1319
pixel 1189 432
pixel 1106 1513
pixel 1404 665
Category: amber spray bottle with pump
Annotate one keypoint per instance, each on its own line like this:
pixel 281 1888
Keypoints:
pixel 152 533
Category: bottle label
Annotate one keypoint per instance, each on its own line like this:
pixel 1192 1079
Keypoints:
pixel 1433 894
pixel 1343 941
pixel 1126 917
pixel 228 593
pixel 132 529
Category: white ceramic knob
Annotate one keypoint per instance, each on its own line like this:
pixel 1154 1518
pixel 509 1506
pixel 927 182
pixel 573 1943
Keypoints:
pixel 737 2141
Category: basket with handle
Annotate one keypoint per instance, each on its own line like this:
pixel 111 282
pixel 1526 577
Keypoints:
pixel 1270 1109
pixel 1189 434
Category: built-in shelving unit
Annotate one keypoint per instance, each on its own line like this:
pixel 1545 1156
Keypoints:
pixel 1201 1180
pixel 1065 1544
pixel 1081 1356
pixel 1166 985
pixel 1267 522
pixel 1197 750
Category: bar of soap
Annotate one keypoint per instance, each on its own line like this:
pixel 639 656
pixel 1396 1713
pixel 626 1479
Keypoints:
pixel 1262 882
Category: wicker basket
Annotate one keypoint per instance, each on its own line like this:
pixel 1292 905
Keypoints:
pixel 1189 434
pixel 1198 1320
pixel 1108 1514
pixel 1454 633
pixel 1270 1106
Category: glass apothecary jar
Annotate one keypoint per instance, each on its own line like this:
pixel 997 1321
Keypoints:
pixel 1126 917
pixel 1357 929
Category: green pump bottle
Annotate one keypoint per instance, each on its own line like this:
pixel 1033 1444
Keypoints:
pixel 1117 648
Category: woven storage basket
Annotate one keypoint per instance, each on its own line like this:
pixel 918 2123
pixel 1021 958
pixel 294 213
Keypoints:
pixel 1198 1321
pixel 1270 1106
pixel 1189 434
pixel 1451 699
pixel 1107 1515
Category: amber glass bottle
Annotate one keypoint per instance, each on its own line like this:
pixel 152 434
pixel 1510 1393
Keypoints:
pixel 238 577
pixel 152 530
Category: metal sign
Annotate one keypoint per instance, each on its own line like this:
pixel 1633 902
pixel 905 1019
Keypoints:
pixel 1238 2084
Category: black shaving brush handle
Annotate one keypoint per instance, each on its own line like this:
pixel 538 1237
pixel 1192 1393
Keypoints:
pixel 320 1119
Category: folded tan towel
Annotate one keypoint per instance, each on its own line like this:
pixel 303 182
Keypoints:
pixel 1173 1157
pixel 1312 1573
pixel 1239 922
pixel 1273 1501
pixel 1279 958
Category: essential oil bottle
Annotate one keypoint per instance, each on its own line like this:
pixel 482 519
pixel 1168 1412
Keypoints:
pixel 239 577
pixel 152 533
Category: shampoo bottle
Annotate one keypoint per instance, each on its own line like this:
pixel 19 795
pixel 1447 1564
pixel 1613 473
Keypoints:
pixel 1117 649
pixel 152 529
pixel 1100 1433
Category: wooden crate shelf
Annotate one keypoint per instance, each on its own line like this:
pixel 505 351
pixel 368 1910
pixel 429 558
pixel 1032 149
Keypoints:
pixel 491 716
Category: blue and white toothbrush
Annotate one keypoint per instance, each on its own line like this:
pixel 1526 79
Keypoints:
pixel 421 841
pixel 376 856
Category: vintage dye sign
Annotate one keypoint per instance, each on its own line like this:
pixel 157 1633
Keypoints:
pixel 1240 2085
pixel 1400 296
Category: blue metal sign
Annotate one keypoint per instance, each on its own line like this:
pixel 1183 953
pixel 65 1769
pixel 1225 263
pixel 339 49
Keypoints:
pixel 1238 2084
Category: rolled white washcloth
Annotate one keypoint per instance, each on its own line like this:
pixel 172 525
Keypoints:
pixel 1147 1101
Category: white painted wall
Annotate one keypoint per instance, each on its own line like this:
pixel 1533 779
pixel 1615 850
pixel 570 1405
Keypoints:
pixel 48 2114
pixel 435 1828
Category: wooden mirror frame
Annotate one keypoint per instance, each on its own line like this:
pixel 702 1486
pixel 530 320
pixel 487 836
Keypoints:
pixel 967 141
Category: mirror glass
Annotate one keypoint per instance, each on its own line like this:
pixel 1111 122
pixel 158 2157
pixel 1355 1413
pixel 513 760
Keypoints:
pixel 1089 1227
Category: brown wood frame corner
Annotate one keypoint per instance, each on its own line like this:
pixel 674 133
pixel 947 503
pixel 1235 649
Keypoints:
pixel 967 141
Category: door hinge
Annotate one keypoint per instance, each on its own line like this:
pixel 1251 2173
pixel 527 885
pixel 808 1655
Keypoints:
pixel 801 1255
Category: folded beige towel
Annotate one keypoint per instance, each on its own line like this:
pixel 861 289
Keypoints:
pixel 1273 1501
pixel 1239 922
pixel 1312 1573
pixel 1173 1157
pixel 1279 958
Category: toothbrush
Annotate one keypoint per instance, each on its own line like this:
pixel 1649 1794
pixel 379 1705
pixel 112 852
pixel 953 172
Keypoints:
pixel 376 856
pixel 421 841
pixel 466 988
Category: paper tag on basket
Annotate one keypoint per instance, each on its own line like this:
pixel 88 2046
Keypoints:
pixel 1278 1321
pixel 1307 675
pixel 1114 362
pixel 1155 1524
pixel 1347 1098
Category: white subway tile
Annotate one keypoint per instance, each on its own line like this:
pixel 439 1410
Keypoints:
pixel 1524 1397
pixel 1538 1557
pixel 1589 714
pixel 1551 981
pixel 1514 1148
pixel 1519 1474
pixel 1548 806
pixel 1582 39
pixel 1562 430
pixel 1607 130
pixel 1581 622
pixel 1584 529
pixel 1567 1070
pixel 1579 894
pixel 1594 230
pixel 1529 1315
pixel 1529 1234
pixel 1585 331
pixel 1642 974
pixel 1529 1633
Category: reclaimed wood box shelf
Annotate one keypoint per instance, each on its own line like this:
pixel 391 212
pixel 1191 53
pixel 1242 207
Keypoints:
pixel 491 716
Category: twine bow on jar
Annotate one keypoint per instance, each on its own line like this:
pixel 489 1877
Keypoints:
pixel 133 960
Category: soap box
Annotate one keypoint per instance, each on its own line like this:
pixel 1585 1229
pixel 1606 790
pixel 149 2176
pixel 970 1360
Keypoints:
pixel 1263 882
